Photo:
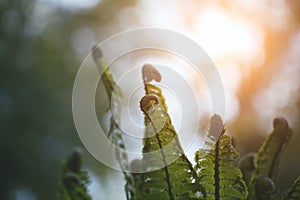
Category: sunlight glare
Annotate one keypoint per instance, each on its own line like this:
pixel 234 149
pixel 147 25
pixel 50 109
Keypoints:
pixel 224 35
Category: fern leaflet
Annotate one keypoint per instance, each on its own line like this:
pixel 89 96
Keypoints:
pixel 217 169
pixel 115 133
pixel 267 158
pixel 294 191
pixel 169 174
pixel 74 180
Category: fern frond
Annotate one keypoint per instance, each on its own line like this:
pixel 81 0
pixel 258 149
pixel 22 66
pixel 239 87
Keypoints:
pixel 264 188
pixel 217 167
pixel 294 191
pixel 169 174
pixel 267 158
pixel 74 180
pixel 246 165
pixel 115 133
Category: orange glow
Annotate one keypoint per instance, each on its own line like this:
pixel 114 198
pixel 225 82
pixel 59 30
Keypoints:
pixel 227 36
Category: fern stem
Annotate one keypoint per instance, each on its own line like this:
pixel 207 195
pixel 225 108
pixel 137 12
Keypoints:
pixel 283 142
pixel 165 168
pixel 217 166
pixel 217 172
pixel 115 133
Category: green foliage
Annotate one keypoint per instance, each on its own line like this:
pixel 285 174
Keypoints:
pixel 168 172
pixel 246 165
pixel 114 133
pixel 164 172
pixel 217 167
pixel 74 179
pixel 264 188
pixel 294 192
pixel 267 158
pixel 217 171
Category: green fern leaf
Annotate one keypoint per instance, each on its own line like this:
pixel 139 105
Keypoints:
pixel 169 174
pixel 74 180
pixel 267 158
pixel 264 188
pixel 246 165
pixel 115 133
pixel 294 191
pixel 217 169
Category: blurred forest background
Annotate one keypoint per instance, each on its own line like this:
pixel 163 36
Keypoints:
pixel 254 44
